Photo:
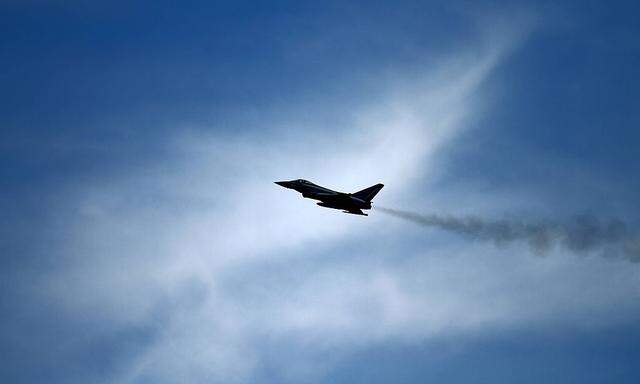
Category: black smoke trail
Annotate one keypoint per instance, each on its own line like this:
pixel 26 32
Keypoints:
pixel 582 234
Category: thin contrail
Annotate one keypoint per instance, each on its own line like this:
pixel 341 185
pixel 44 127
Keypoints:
pixel 582 234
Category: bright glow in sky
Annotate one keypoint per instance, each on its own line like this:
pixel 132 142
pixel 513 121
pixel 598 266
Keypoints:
pixel 145 241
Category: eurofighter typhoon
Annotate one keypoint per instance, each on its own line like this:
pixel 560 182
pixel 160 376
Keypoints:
pixel 352 203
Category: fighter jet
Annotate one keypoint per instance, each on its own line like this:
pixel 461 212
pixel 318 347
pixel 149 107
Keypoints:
pixel 352 203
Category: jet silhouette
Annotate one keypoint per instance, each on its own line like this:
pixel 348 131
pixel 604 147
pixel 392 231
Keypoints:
pixel 352 203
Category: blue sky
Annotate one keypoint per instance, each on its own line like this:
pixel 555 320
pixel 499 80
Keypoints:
pixel 143 240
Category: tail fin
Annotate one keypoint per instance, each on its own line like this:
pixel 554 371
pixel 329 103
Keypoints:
pixel 367 194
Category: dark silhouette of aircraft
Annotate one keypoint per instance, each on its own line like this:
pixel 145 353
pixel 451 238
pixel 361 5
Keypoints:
pixel 349 202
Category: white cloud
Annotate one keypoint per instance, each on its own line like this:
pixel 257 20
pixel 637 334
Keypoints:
pixel 140 240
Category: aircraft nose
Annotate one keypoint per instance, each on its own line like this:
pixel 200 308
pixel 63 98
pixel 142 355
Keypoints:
pixel 283 184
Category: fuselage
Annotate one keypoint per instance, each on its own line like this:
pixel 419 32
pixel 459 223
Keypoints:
pixel 328 198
